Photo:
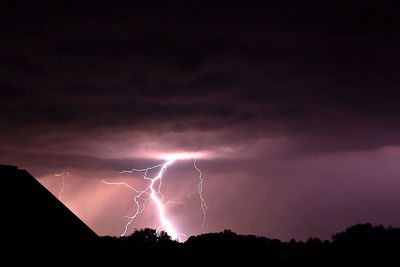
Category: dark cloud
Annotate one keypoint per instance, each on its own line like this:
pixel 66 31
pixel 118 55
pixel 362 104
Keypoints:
pixel 324 77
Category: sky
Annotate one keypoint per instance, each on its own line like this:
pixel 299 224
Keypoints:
pixel 292 111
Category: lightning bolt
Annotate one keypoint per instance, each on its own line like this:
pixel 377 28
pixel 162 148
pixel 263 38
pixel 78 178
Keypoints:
pixel 153 192
pixel 60 193
pixel 203 203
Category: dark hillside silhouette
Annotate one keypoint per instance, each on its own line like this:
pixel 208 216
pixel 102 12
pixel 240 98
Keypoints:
pixel 34 220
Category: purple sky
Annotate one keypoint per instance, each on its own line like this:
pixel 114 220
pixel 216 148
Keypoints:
pixel 293 110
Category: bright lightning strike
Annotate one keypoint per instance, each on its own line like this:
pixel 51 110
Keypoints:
pixel 153 192
pixel 203 203
pixel 61 191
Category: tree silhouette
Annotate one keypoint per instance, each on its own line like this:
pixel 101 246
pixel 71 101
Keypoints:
pixel 359 244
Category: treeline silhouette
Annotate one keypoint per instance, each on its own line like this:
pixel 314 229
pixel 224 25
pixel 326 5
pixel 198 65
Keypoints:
pixel 359 244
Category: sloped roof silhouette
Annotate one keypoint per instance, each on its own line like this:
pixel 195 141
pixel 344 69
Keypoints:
pixel 33 217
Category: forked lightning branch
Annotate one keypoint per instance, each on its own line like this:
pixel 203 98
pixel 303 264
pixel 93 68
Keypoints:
pixel 153 193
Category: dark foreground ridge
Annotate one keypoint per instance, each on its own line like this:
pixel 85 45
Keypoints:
pixel 39 228
pixel 34 220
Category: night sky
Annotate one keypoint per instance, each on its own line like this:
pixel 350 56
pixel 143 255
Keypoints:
pixel 292 110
